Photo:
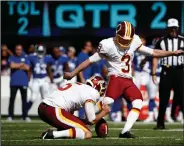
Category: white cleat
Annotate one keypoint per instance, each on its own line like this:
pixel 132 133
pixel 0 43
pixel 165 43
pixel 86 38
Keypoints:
pixel 182 121
pixel 148 120
pixel 9 119
pixel 180 117
pixel 168 115
pixel 116 116
pixel 169 119
pixel 155 112
pixel 27 119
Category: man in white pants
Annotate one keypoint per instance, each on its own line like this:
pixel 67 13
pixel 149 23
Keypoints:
pixel 41 72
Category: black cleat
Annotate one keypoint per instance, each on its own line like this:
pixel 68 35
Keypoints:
pixel 159 127
pixel 47 134
pixel 126 135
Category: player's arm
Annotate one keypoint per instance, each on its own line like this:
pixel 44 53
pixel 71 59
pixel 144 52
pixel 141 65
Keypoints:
pixel 159 53
pixel 94 58
pixel 29 73
pixel 66 67
pixel 25 67
pixel 81 76
pixel 154 68
pixel 90 112
pixel 14 65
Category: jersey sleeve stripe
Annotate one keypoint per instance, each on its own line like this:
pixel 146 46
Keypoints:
pixel 99 104
pixel 139 47
pixel 90 100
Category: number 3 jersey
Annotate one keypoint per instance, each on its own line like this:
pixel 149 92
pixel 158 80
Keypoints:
pixel 39 65
pixel 72 96
pixel 119 62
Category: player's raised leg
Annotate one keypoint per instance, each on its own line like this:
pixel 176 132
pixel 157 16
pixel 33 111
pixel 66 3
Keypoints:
pixel 68 125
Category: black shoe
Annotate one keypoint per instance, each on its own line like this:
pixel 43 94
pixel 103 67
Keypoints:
pixel 126 135
pixel 47 134
pixel 159 127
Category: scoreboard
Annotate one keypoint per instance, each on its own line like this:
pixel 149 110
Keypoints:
pixel 49 19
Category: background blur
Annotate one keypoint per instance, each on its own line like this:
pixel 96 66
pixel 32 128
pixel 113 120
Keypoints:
pixel 71 24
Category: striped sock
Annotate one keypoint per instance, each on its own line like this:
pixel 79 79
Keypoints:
pixel 70 133
pixel 131 119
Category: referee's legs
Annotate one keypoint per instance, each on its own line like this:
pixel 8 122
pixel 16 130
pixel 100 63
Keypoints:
pixel 13 92
pixel 23 91
pixel 164 95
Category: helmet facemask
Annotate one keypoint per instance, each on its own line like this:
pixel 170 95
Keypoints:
pixel 40 51
pixel 123 42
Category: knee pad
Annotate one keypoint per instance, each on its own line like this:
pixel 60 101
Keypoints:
pixel 137 103
pixel 107 100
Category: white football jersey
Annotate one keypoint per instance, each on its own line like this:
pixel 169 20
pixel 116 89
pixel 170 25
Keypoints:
pixel 72 96
pixel 119 61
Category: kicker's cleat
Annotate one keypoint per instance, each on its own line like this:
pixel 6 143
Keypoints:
pixel 126 135
pixel 47 134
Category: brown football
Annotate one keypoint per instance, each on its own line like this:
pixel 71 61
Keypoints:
pixel 101 128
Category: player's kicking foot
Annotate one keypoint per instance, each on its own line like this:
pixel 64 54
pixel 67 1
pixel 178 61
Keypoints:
pixel 126 135
pixel 47 134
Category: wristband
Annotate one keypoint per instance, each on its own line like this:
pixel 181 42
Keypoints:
pixel 153 74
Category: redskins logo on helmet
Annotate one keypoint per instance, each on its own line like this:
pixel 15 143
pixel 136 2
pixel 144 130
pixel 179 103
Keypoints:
pixel 124 34
pixel 98 83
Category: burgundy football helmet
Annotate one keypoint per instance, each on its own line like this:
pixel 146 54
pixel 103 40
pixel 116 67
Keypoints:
pixel 124 34
pixel 98 83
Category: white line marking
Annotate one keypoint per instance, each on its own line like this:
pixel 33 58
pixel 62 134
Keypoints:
pixel 113 129
pixel 95 138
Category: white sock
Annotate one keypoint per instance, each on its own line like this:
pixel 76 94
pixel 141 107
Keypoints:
pixel 80 134
pixel 62 134
pixel 133 115
pixel 70 133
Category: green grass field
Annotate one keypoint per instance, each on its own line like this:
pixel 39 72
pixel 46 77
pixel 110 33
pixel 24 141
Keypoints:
pixel 20 133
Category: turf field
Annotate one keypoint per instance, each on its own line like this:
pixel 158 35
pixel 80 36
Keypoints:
pixel 21 133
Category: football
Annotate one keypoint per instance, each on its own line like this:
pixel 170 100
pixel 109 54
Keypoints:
pixel 101 128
